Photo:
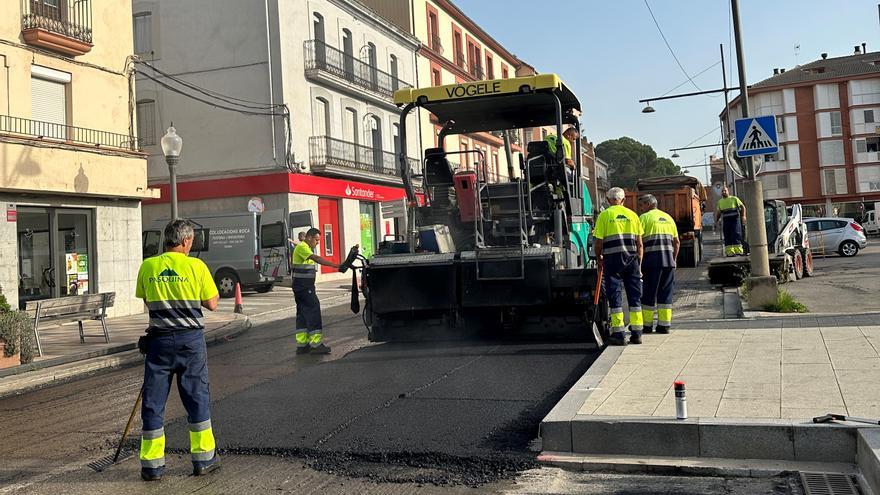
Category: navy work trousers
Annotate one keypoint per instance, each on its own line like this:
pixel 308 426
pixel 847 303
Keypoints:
pixel 182 354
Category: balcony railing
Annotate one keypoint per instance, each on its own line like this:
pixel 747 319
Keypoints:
pixel 67 134
pixel 459 60
pixel 325 150
pixel 323 57
pixel 436 45
pixel 477 71
pixel 64 26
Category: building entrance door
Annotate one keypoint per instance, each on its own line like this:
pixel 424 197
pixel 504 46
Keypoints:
pixel 328 224
pixel 55 256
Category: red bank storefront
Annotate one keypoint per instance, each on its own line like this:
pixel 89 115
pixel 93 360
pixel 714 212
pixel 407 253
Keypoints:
pixel 346 211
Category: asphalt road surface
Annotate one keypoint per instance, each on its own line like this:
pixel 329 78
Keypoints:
pixel 842 285
pixel 387 418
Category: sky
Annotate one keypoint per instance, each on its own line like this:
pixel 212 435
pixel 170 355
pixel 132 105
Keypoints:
pixel 611 54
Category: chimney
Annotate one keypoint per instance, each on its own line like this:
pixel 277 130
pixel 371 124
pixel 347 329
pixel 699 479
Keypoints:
pixel 775 72
pixel 824 56
pixel 864 48
pixel 857 50
pixel 781 71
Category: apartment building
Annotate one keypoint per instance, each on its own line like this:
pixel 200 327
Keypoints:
pixel 454 49
pixel 827 114
pixel 335 65
pixel 71 175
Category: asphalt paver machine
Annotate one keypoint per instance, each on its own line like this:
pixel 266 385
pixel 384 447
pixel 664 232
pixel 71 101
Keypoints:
pixel 482 254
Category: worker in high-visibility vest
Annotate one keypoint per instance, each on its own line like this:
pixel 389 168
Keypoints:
pixel 175 288
pixel 732 213
pixel 304 268
pixel 661 244
pixel 618 245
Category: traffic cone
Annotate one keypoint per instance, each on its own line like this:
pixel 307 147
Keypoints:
pixel 238 308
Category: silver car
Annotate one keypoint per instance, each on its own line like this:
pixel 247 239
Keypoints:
pixel 831 234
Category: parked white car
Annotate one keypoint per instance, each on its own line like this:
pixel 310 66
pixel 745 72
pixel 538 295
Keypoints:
pixel 836 235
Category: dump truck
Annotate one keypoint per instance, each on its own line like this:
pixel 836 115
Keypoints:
pixel 788 245
pixel 683 198
pixel 510 257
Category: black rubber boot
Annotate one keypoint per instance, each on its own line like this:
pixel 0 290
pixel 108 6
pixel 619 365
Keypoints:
pixel 662 329
pixel 618 338
pixel 635 336
pixel 320 349
pixel 302 350
pixel 148 474
pixel 205 469
pixel 648 329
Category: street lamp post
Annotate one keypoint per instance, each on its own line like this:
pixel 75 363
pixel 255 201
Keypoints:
pixel 762 286
pixel 171 146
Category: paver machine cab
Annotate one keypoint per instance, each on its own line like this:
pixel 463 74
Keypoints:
pixel 488 256
pixel 787 244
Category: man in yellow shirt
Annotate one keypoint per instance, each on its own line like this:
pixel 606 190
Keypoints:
pixel 304 269
pixel 175 288
pixel 732 213
pixel 618 245
pixel 661 244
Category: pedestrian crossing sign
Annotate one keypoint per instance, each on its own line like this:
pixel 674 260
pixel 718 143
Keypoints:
pixel 756 136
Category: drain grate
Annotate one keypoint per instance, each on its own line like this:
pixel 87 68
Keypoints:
pixel 829 484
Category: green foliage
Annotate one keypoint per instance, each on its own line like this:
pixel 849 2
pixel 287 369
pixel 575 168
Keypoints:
pixel 4 305
pixel 630 160
pixel 786 303
pixel 15 330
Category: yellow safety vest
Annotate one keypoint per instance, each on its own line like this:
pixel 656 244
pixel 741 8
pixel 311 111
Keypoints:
pixel 619 228
pixel 659 232
pixel 173 286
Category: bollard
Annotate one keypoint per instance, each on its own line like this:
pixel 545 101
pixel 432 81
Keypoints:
pixel 681 410
pixel 238 308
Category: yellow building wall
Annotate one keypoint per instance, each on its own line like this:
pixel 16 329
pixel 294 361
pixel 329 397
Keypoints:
pixel 98 98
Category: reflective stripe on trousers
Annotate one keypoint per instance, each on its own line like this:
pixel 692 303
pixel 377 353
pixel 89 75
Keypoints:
pixel 201 442
pixel 153 448
pixel 625 278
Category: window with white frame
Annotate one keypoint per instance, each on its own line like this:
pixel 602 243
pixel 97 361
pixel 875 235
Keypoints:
pixel 869 116
pixel 780 124
pixel 836 126
pixel 146 122
pixel 831 153
pixel 49 102
pixel 868 145
pixel 868 179
pixel 782 181
pixel 776 157
pixel 143 32
pixel 827 96
pixel 834 181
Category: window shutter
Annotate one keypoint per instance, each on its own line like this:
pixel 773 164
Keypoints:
pixel 48 105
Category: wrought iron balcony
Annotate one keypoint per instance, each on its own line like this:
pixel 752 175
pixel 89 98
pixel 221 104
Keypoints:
pixel 63 26
pixel 321 57
pixel 436 45
pixel 327 153
pixel 65 134
pixel 459 60
pixel 477 71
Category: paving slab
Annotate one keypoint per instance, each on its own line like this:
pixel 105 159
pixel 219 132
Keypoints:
pixel 752 392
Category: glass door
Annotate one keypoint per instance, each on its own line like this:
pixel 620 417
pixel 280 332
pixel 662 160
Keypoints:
pixel 36 270
pixel 72 245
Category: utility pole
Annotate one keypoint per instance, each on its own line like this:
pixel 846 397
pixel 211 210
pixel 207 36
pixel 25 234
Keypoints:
pixel 762 286
pixel 725 134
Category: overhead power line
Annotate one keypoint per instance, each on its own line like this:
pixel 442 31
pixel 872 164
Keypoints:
pixel 671 51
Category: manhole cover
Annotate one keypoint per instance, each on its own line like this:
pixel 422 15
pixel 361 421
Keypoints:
pixel 829 484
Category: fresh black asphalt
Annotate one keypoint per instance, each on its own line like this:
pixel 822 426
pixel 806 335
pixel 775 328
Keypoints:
pixel 448 412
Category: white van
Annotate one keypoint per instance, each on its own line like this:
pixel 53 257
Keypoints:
pixel 871 226
pixel 246 248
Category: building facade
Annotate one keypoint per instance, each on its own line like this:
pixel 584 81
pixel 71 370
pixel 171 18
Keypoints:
pixel 827 113
pixel 453 49
pixel 71 176
pixel 335 65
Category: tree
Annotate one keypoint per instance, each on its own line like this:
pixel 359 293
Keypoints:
pixel 630 160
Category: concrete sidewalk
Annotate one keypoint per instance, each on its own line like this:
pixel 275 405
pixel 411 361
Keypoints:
pixel 752 392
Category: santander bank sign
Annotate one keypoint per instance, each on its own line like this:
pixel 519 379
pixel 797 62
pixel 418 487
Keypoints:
pixel 362 193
